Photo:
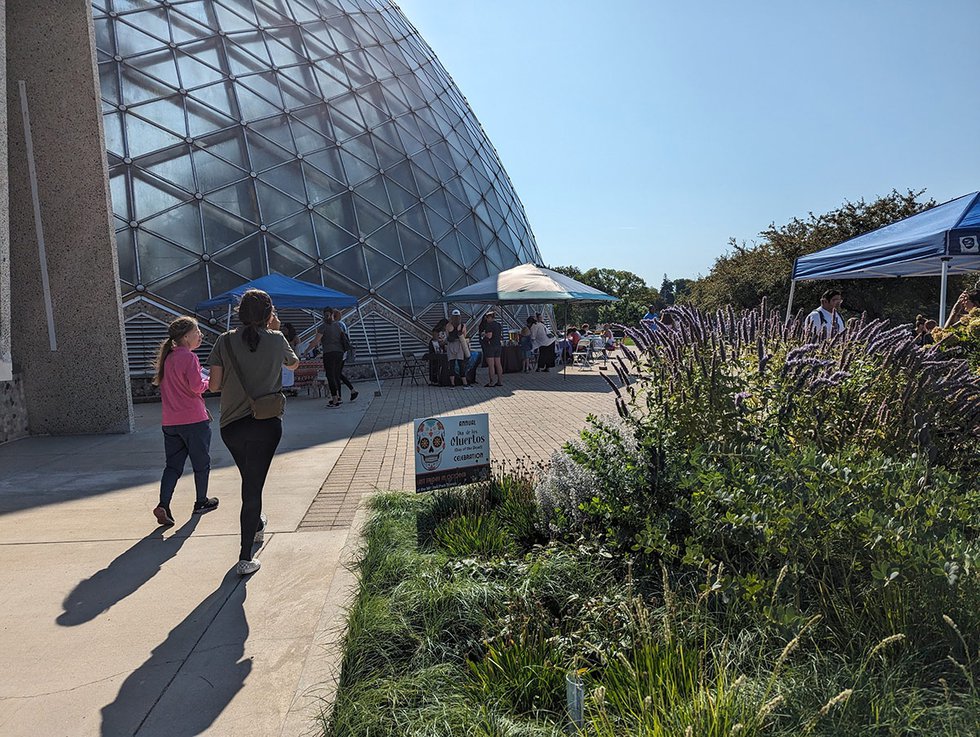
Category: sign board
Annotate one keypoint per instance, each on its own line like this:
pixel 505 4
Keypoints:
pixel 450 451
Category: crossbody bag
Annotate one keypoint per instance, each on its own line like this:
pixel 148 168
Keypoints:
pixel 265 407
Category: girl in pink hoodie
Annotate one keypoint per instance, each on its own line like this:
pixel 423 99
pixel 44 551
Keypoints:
pixel 186 422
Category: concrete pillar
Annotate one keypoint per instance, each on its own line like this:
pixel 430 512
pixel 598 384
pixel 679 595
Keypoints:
pixel 83 385
pixel 6 365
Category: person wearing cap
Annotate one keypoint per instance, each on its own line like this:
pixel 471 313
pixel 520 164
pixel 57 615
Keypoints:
pixel 457 349
pixel 491 339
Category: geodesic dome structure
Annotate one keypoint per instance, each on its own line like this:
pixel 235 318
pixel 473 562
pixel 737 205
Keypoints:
pixel 318 139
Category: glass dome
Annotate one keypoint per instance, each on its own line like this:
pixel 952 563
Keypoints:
pixel 321 140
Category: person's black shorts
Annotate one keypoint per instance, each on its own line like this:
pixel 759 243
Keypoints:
pixel 493 353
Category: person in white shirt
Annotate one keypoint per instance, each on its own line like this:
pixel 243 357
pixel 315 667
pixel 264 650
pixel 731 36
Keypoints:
pixel 826 319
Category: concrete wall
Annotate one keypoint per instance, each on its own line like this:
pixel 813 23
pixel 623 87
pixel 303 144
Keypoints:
pixel 6 365
pixel 82 387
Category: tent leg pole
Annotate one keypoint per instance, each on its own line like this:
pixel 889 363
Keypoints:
pixel 564 366
pixel 228 318
pixel 942 292
pixel 367 342
pixel 792 293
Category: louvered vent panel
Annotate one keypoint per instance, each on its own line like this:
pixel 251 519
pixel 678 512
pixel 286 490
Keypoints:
pixel 432 315
pixel 144 334
pixel 387 341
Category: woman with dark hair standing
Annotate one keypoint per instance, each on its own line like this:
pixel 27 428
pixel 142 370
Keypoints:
pixel 246 364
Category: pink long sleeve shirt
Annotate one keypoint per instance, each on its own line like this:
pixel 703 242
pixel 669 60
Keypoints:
pixel 182 387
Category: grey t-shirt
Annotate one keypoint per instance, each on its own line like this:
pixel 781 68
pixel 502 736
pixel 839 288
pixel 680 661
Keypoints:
pixel 262 369
pixel 332 340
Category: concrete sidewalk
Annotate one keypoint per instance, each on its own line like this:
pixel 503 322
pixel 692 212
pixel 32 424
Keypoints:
pixel 112 626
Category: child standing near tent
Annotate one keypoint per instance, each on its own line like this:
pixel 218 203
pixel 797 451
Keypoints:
pixel 186 422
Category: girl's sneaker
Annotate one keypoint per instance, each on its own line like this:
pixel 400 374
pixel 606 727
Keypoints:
pixel 246 567
pixel 260 533
pixel 206 506
pixel 163 516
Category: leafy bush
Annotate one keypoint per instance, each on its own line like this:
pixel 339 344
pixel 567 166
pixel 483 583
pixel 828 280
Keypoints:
pixel 963 338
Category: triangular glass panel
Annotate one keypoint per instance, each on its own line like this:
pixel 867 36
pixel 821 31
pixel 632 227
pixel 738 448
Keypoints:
pixel 350 265
pixel 371 115
pixel 103 37
pixel 197 10
pixel 274 205
pixel 271 14
pixel 194 73
pixel 307 140
pixel 316 118
pixel 426 184
pixel 413 245
pixel 158 258
pixel 396 293
pixel 152 195
pixel 342 34
pixel 221 280
pixel 213 173
pixel 132 42
pixel 174 165
pixel 457 209
pixel 423 293
pixel 373 190
pixel 401 199
pixel 380 267
pixel 167 113
pixel 222 229
pixel 479 270
pixel 183 28
pixel 388 156
pixel 369 218
pixel 282 42
pixel 114 133
pixel 355 169
pixel 276 129
pixel 160 65
pixel 238 199
pixel 317 40
pixel 264 154
pixel 303 78
pixel 303 12
pixel 182 226
pixel 144 138
pixel 286 260
pixel 319 186
pixel 437 224
pixel 429 134
pixel 241 62
pixel 410 134
pixel 287 178
pixel 202 120
pixel 393 97
pixel 347 106
pixel 186 287
pixel 469 236
pixel 228 145
pixel 126 252
pixel 265 86
pixel 253 107
pixel 401 174
pixel 137 88
pixel 120 194
pixel 415 219
pixel 344 128
pixel 230 21
pixel 450 270
pixel 331 238
pixel 340 211
pixel 246 257
pixel 220 97
pixel 445 171
pixel 330 85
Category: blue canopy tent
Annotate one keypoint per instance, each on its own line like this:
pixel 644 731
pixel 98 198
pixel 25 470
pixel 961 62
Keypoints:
pixel 938 242
pixel 290 293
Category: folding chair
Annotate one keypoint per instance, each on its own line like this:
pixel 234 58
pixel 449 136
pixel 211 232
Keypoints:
pixel 582 355
pixel 414 367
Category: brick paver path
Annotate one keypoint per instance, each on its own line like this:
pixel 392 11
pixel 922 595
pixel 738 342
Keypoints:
pixel 530 418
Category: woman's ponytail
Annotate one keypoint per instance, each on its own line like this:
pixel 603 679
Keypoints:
pixel 254 312
pixel 177 330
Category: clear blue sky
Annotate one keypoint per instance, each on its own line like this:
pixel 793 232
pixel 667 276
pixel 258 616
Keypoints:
pixel 642 134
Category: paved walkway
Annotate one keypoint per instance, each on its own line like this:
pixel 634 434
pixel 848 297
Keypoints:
pixel 113 627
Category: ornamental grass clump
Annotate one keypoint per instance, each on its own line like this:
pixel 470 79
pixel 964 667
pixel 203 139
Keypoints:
pixel 733 380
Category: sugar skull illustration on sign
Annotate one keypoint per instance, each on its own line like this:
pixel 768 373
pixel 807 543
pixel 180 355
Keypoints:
pixel 430 441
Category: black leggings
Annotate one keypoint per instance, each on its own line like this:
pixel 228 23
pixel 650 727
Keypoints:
pixel 252 444
pixel 333 365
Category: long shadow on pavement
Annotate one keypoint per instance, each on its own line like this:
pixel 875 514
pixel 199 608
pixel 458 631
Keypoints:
pixel 124 576
pixel 181 689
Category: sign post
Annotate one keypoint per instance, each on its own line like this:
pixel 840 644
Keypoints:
pixel 451 451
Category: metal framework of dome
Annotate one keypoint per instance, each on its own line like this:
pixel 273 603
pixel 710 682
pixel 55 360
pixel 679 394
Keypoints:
pixel 313 138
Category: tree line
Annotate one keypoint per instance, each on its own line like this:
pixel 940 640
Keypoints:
pixel 747 272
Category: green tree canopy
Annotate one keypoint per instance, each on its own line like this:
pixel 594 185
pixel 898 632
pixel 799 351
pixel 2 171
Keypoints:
pixel 746 274
pixel 633 292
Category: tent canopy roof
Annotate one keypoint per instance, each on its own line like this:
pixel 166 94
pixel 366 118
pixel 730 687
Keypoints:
pixel 527 284
pixel 285 292
pixel 915 246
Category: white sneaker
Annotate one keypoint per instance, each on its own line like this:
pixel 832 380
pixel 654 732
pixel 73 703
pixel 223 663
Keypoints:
pixel 245 567
pixel 260 533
